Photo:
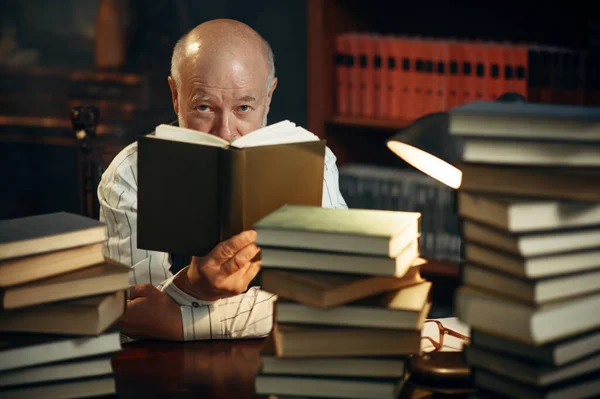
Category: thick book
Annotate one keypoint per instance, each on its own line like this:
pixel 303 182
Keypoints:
pixel 533 291
pixel 329 387
pixel 85 316
pixel 402 309
pixel 196 190
pixel 532 267
pixel 297 341
pixel 26 269
pixel 22 350
pixel 550 183
pixel 327 261
pixel 573 123
pixel 106 277
pixel 352 231
pixel 587 386
pixel 32 235
pixel 503 151
pixel 392 367
pixel 522 215
pixel 526 323
pixel 557 353
pixel 60 371
pixel 528 372
pixel 533 243
pixel 100 386
pixel 328 290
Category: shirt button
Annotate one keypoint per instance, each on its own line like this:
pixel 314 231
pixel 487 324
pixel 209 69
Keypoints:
pixel 195 304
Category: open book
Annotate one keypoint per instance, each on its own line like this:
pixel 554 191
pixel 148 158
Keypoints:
pixel 283 132
pixel 196 189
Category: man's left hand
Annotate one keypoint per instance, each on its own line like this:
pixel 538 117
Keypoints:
pixel 151 313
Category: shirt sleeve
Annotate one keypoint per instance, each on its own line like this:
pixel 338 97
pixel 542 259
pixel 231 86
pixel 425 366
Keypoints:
pixel 332 197
pixel 248 315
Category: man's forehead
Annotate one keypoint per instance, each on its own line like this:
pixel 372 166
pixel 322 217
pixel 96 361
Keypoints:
pixel 225 73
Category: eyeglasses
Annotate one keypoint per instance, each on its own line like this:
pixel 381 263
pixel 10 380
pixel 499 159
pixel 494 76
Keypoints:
pixel 438 342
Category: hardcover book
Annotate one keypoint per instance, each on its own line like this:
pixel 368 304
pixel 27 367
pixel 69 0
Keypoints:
pixel 196 189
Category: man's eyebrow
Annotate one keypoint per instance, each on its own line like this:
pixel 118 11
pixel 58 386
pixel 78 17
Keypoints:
pixel 247 98
pixel 200 96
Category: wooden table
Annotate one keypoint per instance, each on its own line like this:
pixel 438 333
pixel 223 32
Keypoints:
pixel 201 369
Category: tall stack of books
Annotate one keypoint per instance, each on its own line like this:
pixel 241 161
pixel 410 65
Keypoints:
pixel 530 211
pixel 60 300
pixel 351 300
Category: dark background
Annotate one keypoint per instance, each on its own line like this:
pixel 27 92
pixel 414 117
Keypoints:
pixel 42 41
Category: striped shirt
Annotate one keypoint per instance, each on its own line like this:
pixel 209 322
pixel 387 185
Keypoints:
pixel 248 315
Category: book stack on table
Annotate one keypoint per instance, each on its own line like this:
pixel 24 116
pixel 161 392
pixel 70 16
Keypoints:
pixel 351 301
pixel 529 205
pixel 61 299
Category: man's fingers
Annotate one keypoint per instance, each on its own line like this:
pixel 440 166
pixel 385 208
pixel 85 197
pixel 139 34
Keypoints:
pixel 141 290
pixel 246 277
pixel 229 248
pixel 240 259
pixel 252 271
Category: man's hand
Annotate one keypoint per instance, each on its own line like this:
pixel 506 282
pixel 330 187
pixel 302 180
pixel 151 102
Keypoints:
pixel 151 313
pixel 226 271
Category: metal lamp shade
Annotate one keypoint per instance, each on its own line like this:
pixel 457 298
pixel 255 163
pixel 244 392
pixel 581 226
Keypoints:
pixel 427 146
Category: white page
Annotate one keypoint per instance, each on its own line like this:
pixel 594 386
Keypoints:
pixel 175 133
pixel 282 134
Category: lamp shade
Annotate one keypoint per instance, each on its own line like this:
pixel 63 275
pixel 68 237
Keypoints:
pixel 426 145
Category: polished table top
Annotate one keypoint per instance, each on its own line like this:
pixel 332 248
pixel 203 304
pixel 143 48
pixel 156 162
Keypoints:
pixel 201 369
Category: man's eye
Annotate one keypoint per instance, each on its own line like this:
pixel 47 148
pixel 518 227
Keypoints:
pixel 245 108
pixel 203 108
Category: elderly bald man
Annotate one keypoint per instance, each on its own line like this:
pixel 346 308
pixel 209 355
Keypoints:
pixel 222 82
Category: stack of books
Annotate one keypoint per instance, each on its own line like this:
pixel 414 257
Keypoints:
pixel 530 216
pixel 60 300
pixel 351 300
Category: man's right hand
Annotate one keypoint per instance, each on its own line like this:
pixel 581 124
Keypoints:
pixel 226 271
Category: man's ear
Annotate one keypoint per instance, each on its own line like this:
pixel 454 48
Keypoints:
pixel 272 87
pixel 174 95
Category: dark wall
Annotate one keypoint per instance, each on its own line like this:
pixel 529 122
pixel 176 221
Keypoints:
pixel 281 23
pixel 38 34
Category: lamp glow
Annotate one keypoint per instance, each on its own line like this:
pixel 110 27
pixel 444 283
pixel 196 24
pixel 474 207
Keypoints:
pixel 427 163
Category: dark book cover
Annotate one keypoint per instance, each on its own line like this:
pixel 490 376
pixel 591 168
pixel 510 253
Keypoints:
pixel 193 196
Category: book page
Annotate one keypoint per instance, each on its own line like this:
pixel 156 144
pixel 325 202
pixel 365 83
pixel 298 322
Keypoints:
pixel 278 133
pixel 176 133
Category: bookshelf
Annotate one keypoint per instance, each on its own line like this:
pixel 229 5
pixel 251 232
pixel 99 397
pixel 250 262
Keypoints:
pixel 570 28
pixel 376 123
pixel 362 140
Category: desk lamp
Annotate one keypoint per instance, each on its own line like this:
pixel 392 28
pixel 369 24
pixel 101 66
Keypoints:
pixel 427 145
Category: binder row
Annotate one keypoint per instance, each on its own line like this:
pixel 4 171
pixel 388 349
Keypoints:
pixel 403 78
pixel 376 187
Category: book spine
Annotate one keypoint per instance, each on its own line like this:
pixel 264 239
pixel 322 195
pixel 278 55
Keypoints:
pixel 232 192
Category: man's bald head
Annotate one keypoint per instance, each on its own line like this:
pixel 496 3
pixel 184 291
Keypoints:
pixel 222 79
pixel 223 40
